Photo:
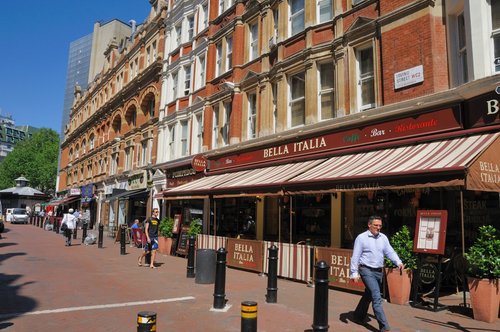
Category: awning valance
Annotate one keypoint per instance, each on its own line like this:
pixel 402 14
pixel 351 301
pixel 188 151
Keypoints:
pixel 436 163
pixel 129 193
pixel 64 201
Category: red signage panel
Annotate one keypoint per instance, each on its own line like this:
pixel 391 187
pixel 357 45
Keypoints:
pixel 432 122
pixel 339 261
pixel 245 254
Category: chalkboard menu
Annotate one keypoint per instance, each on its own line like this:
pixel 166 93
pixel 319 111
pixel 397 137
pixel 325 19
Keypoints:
pixel 183 242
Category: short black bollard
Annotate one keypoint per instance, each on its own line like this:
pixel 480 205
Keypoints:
pixel 101 232
pixel 190 260
pixel 320 319
pixel 75 230
pixel 248 316
pixel 84 232
pixel 272 275
pixel 220 280
pixel 146 321
pixel 123 228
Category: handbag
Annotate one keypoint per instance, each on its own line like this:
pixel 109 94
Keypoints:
pixel 64 227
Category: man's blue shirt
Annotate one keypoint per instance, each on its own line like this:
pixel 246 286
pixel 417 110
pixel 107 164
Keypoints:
pixel 370 250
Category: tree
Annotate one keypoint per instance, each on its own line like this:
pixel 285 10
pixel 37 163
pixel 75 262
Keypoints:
pixel 34 158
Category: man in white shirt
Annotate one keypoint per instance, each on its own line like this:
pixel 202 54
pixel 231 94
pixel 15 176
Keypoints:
pixel 70 221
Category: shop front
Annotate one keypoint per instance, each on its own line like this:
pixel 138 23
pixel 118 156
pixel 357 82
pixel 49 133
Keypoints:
pixel 321 189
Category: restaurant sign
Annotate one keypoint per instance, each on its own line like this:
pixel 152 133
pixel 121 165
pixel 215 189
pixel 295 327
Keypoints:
pixel 431 122
pixel 339 261
pixel 483 110
pixel 138 180
pixel 245 254
pixel 484 173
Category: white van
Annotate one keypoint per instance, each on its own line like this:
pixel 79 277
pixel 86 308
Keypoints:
pixel 20 216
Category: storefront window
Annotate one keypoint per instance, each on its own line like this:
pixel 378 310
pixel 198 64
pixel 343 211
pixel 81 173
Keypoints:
pixel 235 217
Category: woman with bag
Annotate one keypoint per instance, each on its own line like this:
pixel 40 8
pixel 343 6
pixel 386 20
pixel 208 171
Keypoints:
pixel 68 225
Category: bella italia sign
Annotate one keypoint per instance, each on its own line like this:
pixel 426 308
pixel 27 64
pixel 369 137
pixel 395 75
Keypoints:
pixel 245 254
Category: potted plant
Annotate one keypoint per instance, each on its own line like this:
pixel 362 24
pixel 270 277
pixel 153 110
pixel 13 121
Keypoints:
pixel 195 227
pixel 165 231
pixel 399 282
pixel 483 259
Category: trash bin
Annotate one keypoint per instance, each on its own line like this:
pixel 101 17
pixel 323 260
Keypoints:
pixel 205 266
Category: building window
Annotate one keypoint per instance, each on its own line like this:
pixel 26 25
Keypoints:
pixel 224 5
pixel 326 82
pixel 201 72
pixel 91 142
pixel 218 55
pixel 129 157
pixel 148 56
pixel 366 79
pixel 275 106
pixel 297 113
pixel 171 141
pixel 229 53
pixel 226 122
pixel 145 152
pixel 174 85
pixel 325 10
pixel 254 41
pixel 204 13
pixel 187 80
pixel 198 130
pixel 153 47
pixel 252 116
pixel 495 32
pixel 296 16
pixel 151 107
pixel 462 50
pixel 178 35
pixel 184 138
pixel 215 128
pixel 190 27
pixel 114 164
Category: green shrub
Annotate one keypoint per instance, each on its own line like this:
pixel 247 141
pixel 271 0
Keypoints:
pixel 483 257
pixel 195 227
pixel 402 243
pixel 166 227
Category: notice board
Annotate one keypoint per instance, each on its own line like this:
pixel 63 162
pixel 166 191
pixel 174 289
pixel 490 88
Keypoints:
pixel 183 241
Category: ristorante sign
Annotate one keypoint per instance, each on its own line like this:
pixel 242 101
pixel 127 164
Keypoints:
pixel 432 122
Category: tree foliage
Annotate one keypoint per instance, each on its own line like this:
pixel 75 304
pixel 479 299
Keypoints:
pixel 34 158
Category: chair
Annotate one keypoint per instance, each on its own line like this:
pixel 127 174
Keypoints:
pixel 138 237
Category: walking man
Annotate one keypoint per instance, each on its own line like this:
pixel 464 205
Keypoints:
pixel 70 221
pixel 151 230
pixel 367 262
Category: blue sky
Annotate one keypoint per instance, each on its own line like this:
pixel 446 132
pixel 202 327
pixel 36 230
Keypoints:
pixel 34 45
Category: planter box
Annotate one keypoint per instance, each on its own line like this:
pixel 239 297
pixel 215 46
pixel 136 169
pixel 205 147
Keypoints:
pixel 399 284
pixel 485 298
pixel 164 245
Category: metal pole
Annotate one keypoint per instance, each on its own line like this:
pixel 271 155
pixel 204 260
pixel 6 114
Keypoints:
pixel 462 217
pixel 190 260
pixel 272 276
pixel 290 226
pixel 248 316
pixel 122 240
pixel 320 320
pixel 101 231
pixel 220 279
pixel 75 230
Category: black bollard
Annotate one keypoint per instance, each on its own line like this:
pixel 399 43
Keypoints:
pixel 55 226
pixel 84 232
pixel 122 239
pixel 220 280
pixel 272 275
pixel 320 319
pixel 248 316
pixel 75 230
pixel 101 232
pixel 146 321
pixel 190 260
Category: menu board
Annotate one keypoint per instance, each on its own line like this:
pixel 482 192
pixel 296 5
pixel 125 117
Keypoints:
pixel 430 235
pixel 183 241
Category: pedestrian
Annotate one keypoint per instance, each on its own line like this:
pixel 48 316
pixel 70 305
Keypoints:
pixel 151 230
pixel 135 224
pixel 367 262
pixel 69 221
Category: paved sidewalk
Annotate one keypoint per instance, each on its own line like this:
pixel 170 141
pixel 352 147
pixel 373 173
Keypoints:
pixel 45 286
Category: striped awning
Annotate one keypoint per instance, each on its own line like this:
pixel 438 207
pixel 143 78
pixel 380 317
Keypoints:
pixel 429 161
pixel 255 178
pixel 423 159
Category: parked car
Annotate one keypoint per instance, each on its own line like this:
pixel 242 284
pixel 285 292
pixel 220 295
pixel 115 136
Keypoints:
pixel 19 216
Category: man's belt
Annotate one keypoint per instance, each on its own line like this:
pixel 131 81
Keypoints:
pixel 375 269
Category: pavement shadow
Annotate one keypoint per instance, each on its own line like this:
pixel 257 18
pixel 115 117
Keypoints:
pixel 5 325
pixel 17 304
pixel 347 317
pixel 454 325
pixel 7 244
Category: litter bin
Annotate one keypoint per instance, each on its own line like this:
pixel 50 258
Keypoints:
pixel 205 266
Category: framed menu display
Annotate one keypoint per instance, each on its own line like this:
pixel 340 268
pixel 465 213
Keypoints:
pixel 430 231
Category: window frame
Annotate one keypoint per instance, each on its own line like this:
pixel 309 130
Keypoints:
pixel 297 100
